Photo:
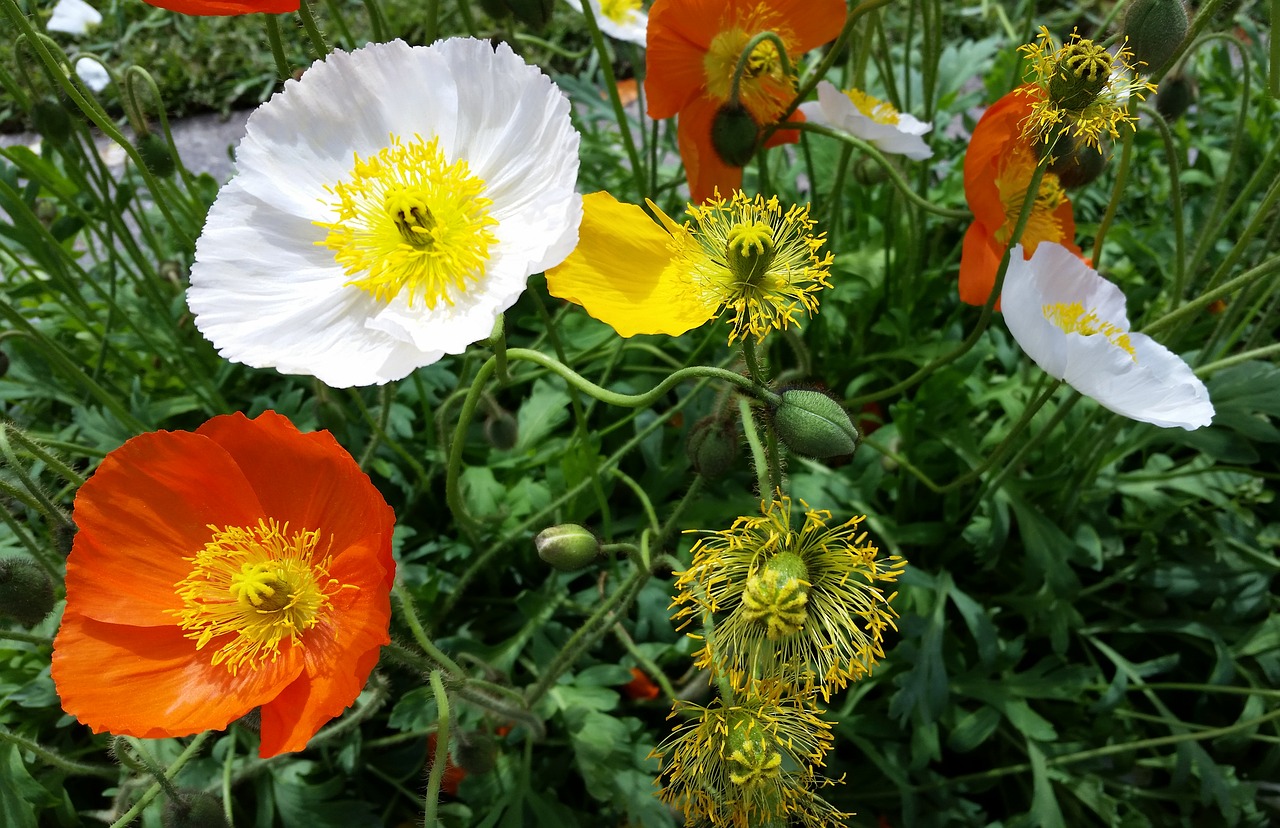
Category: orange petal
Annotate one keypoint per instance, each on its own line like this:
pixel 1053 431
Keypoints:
pixel 146 508
pixel 979 262
pixel 811 22
pixel 306 479
pixel 151 682
pixel 679 34
pixel 224 8
pixel 993 138
pixel 703 166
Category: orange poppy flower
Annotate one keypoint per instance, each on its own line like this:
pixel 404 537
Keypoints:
pixel 641 687
pixel 692 52
pixel 225 8
pixel 998 167
pixel 245 565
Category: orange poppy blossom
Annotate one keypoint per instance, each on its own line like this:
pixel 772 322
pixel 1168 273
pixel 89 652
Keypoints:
pixel 243 565
pixel 692 52
pixel 225 8
pixel 998 167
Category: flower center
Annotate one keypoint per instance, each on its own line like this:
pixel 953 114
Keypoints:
pixel 1082 71
pixel 749 256
pixel 409 221
pixel 1012 182
pixel 252 587
pixel 882 112
pixel 619 11
pixel 776 596
pixel 766 87
pixel 1073 318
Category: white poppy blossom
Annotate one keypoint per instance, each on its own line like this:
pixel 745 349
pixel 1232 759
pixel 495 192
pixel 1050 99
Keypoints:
pixel 871 119
pixel 619 19
pixel 92 73
pixel 387 207
pixel 1072 322
pixel 74 17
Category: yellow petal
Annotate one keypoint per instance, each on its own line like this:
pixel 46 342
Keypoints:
pixel 621 272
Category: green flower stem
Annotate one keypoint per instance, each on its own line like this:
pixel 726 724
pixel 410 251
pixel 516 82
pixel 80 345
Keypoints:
pixel 54 759
pixel 591 631
pixel 228 766
pixel 984 318
pixel 88 105
pixel 283 69
pixel 993 483
pixel 307 15
pixel 453 492
pixel 1274 76
pixel 468 22
pixel 42 555
pixel 648 665
pixel 410 614
pixel 1260 219
pixel 377 21
pixel 339 20
pixel 431 21
pixel 752 436
pixel 26 638
pixel 147 761
pixel 642 496
pixel 1117 190
pixel 379 427
pixel 1202 301
pixel 441 757
pixel 894 175
pixel 51 511
pixel 741 67
pixel 1175 202
pixel 619 112
pixel 151 793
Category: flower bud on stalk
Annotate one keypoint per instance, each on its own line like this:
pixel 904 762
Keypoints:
pixel 1074 161
pixel 713 446
pixel 1177 94
pixel 196 809
pixel 475 752
pixel 567 547
pixel 1155 28
pixel 26 595
pixel 813 424
pixel 155 154
pixel 734 134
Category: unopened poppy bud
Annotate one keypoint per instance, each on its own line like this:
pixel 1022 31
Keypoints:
pixel 734 134
pixel 813 424
pixel 1082 72
pixel 535 13
pixel 567 547
pixel 868 172
pixel 195 809
pixel 155 154
pixel 713 446
pixel 26 594
pixel 51 120
pixel 501 430
pixel 1155 28
pixel 1075 162
pixel 1177 94
pixel 475 752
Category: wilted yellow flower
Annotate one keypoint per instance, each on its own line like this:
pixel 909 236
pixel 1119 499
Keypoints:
pixel 749 762
pixel 805 605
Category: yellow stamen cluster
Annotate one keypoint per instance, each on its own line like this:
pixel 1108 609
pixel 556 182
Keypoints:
pixel 766 87
pixel 619 11
pixel 1084 89
pixel 747 256
pixel 882 112
pixel 409 222
pixel 251 588
pixel 1012 182
pixel 1073 318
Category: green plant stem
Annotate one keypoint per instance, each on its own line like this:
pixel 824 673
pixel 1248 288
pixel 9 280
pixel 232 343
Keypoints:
pixel 307 15
pixel 1117 191
pixel 642 496
pixel 894 175
pixel 648 665
pixel 619 111
pixel 148 763
pixel 26 637
pixel 752 436
pixel 410 614
pixel 377 21
pixel 54 759
pixel 441 757
pixel 1175 202
pixel 283 69
pixel 1244 280
pixel 1274 71
pixel 151 793
pixel 39 499
pixel 585 637
pixel 1236 359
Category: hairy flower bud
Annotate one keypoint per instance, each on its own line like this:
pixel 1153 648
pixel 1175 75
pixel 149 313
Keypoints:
pixel 713 446
pixel 813 424
pixel 51 120
pixel 26 594
pixel 567 547
pixel 475 751
pixel 1076 162
pixel 1155 28
pixel 155 154
pixel 1177 94
pixel 501 430
pixel 734 134
pixel 535 13
pixel 194 809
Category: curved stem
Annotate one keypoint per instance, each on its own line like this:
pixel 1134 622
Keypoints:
pixel 745 56
pixel 1117 190
pixel 1175 202
pixel 307 15
pixel 68 766
pixel 151 793
pixel 441 757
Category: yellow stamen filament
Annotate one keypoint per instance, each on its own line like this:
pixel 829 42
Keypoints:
pixel 250 588
pixel 409 222
pixel 1073 318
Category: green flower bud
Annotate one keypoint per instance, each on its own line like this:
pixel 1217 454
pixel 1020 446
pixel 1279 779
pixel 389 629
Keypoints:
pixel 475 751
pixel 813 424
pixel 734 134
pixel 1177 94
pixel 155 154
pixel 1083 71
pixel 51 120
pixel 713 446
pixel 567 547
pixel 1155 28
pixel 1075 162
pixel 868 172
pixel 535 13
pixel 194 809
pixel 501 430
pixel 26 594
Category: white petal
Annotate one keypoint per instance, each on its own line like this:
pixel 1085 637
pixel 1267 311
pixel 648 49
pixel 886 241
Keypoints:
pixel 73 17
pixel 834 108
pixel 633 29
pixel 1151 385
pixel 267 294
pixel 93 73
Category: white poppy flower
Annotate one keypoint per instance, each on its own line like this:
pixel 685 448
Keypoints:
pixel 870 119
pixel 619 19
pixel 74 17
pixel 387 207
pixel 1072 322
pixel 92 73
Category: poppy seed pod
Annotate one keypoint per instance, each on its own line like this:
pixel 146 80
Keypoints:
pixel 813 424
pixel 1075 162
pixel 1082 72
pixel 155 154
pixel 1155 28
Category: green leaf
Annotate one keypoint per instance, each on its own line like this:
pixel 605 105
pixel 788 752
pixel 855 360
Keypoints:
pixel 19 792
pixel 973 729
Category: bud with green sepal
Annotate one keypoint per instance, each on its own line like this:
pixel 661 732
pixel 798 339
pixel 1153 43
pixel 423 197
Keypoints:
pixel 813 424
pixel 193 809
pixel 155 154
pixel 713 446
pixel 1177 94
pixel 1076 162
pixel 734 134
pixel 51 119
pixel 1155 29
pixel 567 547
pixel 26 593
pixel 475 751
